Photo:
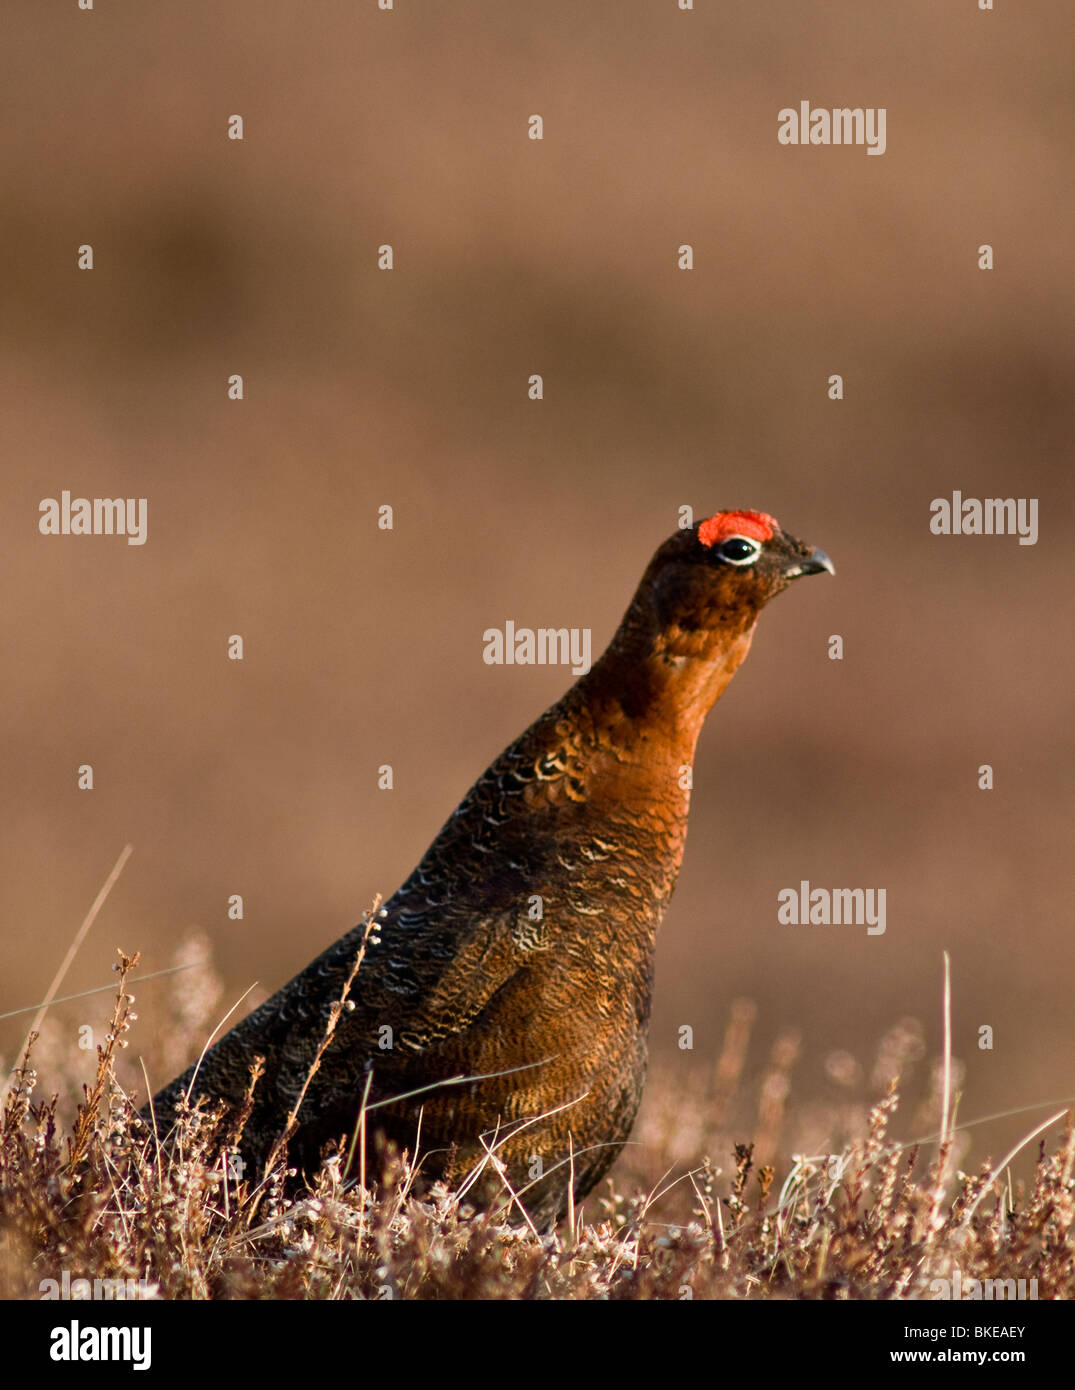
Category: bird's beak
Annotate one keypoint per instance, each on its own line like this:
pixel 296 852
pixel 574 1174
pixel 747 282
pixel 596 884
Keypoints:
pixel 815 563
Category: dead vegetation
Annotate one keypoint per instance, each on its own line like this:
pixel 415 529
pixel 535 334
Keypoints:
pixel 95 1194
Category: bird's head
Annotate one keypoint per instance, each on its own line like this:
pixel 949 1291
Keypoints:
pixel 691 620
pixel 723 571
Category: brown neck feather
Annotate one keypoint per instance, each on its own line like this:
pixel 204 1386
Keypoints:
pixel 649 694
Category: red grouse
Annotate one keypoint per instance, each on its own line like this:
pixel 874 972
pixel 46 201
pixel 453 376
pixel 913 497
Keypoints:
pixel 520 950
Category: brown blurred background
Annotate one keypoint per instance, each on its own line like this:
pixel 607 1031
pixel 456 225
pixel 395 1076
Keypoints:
pixel 662 388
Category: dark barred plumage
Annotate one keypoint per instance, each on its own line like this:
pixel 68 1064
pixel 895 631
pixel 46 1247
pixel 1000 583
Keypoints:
pixel 520 949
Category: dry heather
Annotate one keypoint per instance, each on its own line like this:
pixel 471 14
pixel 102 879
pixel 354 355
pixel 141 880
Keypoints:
pixel 92 1195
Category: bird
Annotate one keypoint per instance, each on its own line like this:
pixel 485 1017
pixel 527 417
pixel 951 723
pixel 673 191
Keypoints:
pixel 498 1021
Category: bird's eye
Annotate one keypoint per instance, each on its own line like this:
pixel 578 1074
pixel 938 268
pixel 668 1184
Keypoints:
pixel 738 550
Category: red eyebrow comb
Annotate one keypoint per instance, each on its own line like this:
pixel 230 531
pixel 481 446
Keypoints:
pixel 759 526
